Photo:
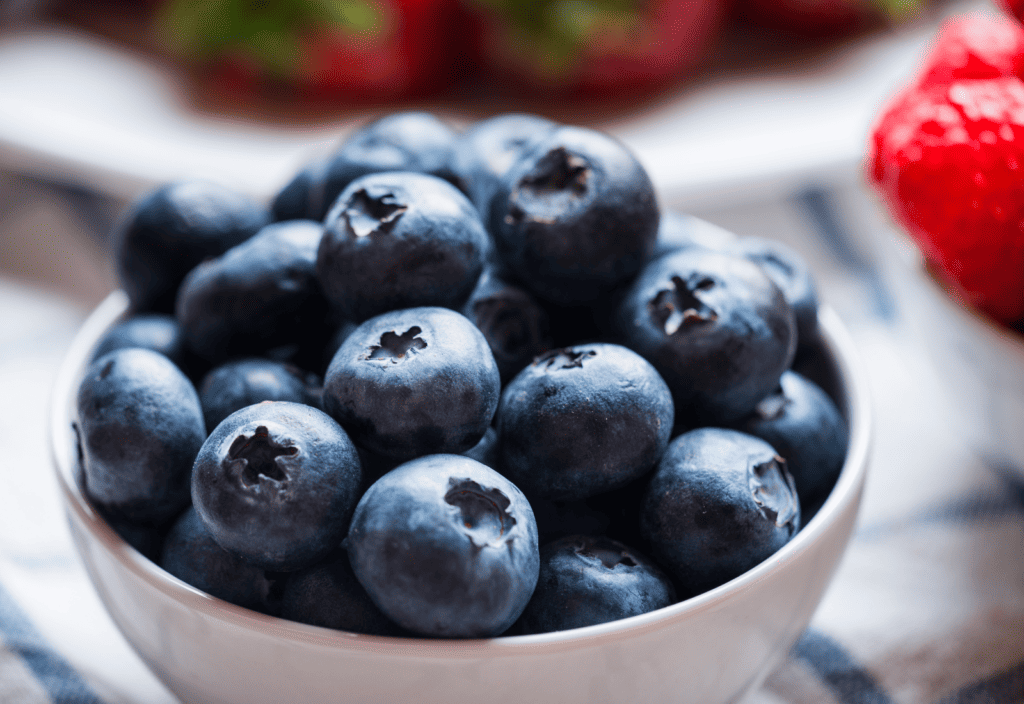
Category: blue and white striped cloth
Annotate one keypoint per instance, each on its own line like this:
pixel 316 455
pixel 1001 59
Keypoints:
pixel 927 606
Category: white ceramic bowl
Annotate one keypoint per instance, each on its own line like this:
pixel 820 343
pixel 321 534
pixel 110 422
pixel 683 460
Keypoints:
pixel 711 649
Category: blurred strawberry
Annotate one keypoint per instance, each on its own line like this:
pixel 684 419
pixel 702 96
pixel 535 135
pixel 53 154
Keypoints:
pixel 594 46
pixel 823 18
pixel 367 48
pixel 1014 7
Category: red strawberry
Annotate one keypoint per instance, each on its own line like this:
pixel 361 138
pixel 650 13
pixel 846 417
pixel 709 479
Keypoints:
pixel 594 46
pixel 949 162
pixel 975 46
pixel 1015 8
pixel 822 18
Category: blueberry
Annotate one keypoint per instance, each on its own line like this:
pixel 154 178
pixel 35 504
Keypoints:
pixel 244 382
pixel 329 595
pixel 400 240
pixel 140 428
pixel 716 328
pixel 586 580
pixel 719 503
pixel 515 325
pixel 446 547
pixel 276 484
pixel 681 231
pixel 486 451
pixel 154 331
pixel 583 420
pixel 405 141
pixel 172 229
pixel 488 149
pixel 803 424
pixel 192 555
pixel 575 216
pixel 258 295
pixel 558 519
pixel 414 382
pixel 787 268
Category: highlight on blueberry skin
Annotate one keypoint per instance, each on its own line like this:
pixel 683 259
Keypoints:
pixel 414 382
pixel 586 580
pixel 575 216
pixel 446 547
pixel 583 420
pixel 716 328
pixel 719 503
pixel 276 484
pixel 400 240
pixel 140 427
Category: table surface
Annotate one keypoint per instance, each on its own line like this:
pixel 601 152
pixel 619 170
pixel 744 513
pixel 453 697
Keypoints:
pixel 928 603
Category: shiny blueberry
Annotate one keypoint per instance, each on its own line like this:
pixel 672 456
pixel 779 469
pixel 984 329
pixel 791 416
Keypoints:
pixel 192 555
pixel 806 428
pixel 172 229
pixel 715 326
pixel 586 580
pixel 405 141
pixel 276 483
pixel 414 382
pixel 488 149
pixel 400 240
pixel 575 216
pixel 583 420
pixel 234 385
pixel 258 295
pixel 719 503
pixel 446 547
pixel 140 427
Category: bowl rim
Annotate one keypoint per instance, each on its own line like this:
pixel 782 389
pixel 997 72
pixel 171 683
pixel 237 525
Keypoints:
pixel 851 379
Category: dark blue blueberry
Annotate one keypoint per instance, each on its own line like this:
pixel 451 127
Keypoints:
pixel 404 141
pixel 486 451
pixel 276 484
pixel 171 230
pixel 583 420
pixel 719 503
pixel 515 325
pixel 154 331
pixel 488 149
pixel 140 428
pixel 446 546
pixel 787 268
pixel 414 382
pixel 575 216
pixel 400 240
pixel 715 326
pixel 803 424
pixel 258 295
pixel 329 595
pixel 586 580
pixel 681 231
pixel 244 382
pixel 192 555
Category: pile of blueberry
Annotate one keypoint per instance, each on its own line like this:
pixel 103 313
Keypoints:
pixel 455 385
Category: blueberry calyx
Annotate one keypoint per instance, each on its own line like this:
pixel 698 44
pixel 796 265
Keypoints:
pixel 607 551
pixel 482 512
pixel 773 490
pixel 394 348
pixel 367 213
pixel 255 457
pixel 558 175
pixel 565 358
pixel 675 308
